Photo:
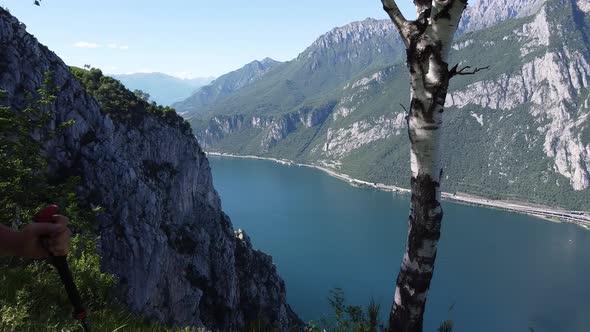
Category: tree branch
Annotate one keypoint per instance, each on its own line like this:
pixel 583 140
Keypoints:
pixel 422 6
pixel 391 8
pixel 404 108
pixel 463 71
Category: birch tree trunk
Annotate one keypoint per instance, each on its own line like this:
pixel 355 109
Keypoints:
pixel 428 41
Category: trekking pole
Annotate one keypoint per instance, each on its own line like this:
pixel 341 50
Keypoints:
pixel 61 265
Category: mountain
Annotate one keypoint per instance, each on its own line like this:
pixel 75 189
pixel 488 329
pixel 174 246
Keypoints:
pixel 162 231
pixel 485 13
pixel 163 89
pixel 223 86
pixel 518 130
pixel 332 59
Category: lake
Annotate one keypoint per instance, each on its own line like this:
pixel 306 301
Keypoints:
pixel 495 271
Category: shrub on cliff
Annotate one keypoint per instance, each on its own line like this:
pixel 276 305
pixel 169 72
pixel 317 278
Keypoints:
pixel 120 103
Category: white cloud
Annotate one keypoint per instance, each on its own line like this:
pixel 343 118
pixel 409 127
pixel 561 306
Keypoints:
pixel 83 44
pixel 117 46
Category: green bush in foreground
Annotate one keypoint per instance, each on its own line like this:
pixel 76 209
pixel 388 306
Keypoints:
pixel 348 317
pixel 351 318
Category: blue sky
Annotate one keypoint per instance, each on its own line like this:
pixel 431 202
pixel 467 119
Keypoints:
pixel 186 38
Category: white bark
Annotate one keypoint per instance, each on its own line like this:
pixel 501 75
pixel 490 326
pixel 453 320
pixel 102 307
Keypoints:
pixel 398 19
pixel 428 42
pixel 444 28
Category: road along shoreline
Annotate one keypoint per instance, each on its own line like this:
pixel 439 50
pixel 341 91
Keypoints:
pixel 580 218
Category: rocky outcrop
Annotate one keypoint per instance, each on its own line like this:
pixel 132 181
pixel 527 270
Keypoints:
pixel 481 14
pixel 349 43
pixel 270 129
pixel 163 232
pixel 551 83
pixel 342 141
pixel 584 5
pixel 220 126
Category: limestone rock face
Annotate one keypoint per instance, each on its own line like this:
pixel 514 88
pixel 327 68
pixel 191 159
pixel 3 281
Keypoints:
pixel 274 128
pixel 163 232
pixel 550 83
pixel 481 14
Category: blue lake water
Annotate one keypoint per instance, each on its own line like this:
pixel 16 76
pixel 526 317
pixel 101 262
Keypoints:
pixel 499 271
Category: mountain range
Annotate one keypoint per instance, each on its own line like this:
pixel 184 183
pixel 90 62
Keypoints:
pixel 163 89
pixel 224 86
pixel 518 130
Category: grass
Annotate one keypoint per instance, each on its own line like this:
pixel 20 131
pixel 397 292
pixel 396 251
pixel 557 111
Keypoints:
pixel 113 320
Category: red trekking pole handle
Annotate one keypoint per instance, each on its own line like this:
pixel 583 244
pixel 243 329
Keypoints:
pixel 61 265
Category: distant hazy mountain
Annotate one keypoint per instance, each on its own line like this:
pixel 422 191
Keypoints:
pixel 164 89
pixel 518 130
pixel 224 86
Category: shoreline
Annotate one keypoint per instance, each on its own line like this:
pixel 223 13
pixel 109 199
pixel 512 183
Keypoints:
pixel 551 214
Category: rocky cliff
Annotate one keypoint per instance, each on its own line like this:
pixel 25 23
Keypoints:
pixel 553 83
pixel 163 232
pixel 270 129
pixel 484 13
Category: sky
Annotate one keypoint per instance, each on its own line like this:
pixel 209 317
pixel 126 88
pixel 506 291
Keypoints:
pixel 185 38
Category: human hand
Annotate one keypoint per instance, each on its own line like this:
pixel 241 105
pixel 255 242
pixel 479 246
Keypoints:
pixel 56 233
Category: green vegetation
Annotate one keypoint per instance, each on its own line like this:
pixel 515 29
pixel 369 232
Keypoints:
pixel 319 71
pixel 563 15
pixel 122 104
pixel 352 318
pixel 497 47
pixel 505 171
pixel 224 86
pixel 141 95
pixel 32 297
pixel 503 158
pixel 348 317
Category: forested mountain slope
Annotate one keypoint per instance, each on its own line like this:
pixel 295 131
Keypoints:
pixel 223 86
pixel 516 131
